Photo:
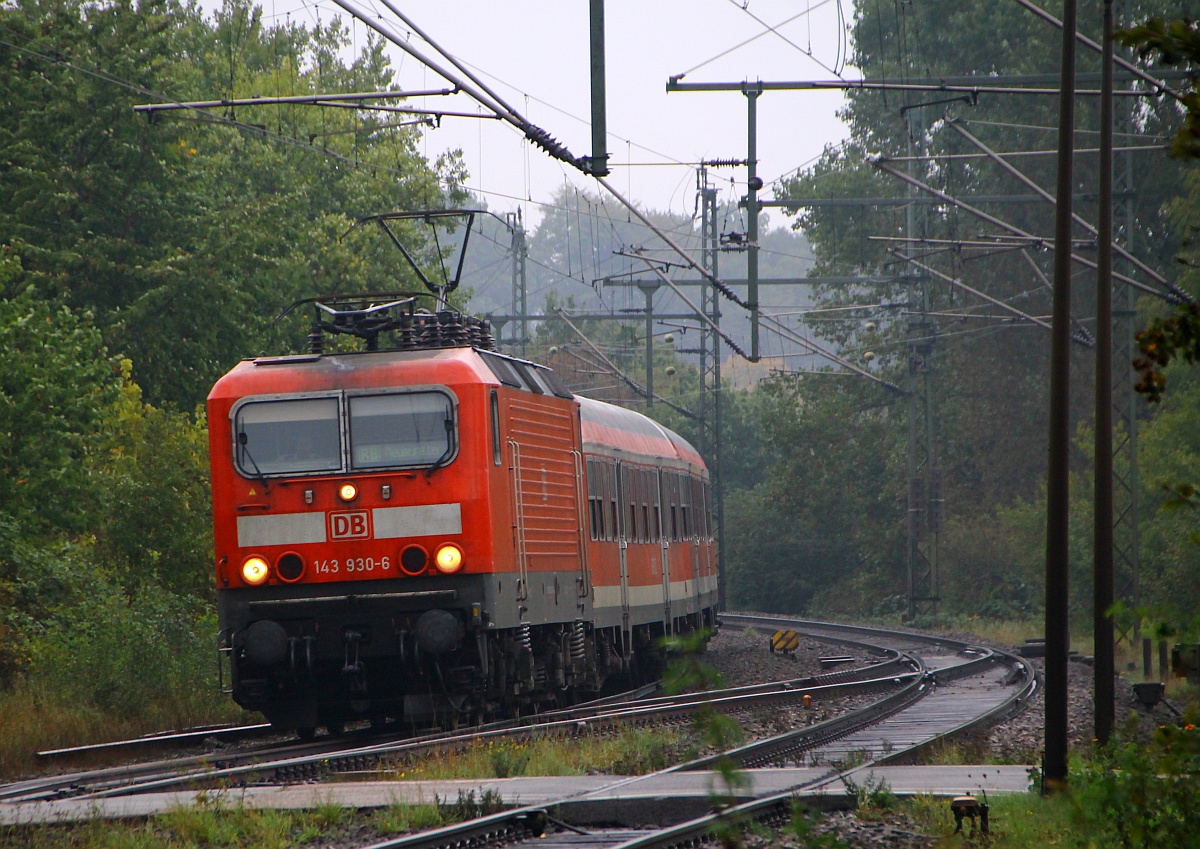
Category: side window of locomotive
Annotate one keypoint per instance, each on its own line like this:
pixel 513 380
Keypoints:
pixel 408 429
pixel 288 437
pixel 497 448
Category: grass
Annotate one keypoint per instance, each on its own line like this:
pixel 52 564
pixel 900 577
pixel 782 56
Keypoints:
pixel 1017 821
pixel 215 826
pixel 975 749
pixel 634 752
pixel 1132 786
pixel 34 721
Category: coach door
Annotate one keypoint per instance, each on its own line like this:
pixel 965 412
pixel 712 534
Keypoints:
pixel 623 531
pixel 664 541
pixel 698 533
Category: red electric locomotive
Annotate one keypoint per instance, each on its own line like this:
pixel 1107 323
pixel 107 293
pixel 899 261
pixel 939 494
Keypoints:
pixel 430 530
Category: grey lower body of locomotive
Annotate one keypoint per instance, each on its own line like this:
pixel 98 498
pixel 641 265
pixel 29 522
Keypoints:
pixel 441 649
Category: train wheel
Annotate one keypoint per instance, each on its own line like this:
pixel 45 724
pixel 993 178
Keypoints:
pixel 335 729
pixel 307 733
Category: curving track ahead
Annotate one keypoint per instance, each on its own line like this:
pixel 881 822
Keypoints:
pixel 962 687
pixel 959 687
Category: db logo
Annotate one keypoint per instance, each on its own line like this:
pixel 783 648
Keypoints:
pixel 350 525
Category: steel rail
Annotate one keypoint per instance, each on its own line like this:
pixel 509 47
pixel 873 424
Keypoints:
pixel 778 807
pixel 796 742
pixel 309 766
pixel 523 822
pixel 1020 674
pixel 1008 708
pixel 515 825
pixel 166 738
pixel 883 639
pixel 60 785
pixel 310 759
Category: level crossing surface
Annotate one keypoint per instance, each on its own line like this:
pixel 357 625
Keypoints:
pixel 653 793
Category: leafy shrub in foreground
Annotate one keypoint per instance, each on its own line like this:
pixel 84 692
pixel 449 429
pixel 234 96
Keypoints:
pixel 148 654
pixel 1136 795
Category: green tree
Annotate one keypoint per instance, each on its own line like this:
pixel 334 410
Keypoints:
pixel 990 369
pixel 54 390
pixel 1172 43
pixel 153 522
pixel 810 534
pixel 1170 346
pixel 188 234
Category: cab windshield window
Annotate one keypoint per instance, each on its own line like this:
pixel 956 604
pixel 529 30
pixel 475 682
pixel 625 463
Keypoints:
pixel 286 437
pixel 409 429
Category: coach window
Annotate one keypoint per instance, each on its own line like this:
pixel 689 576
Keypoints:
pixel 643 518
pixel 407 429
pixel 629 490
pixel 684 498
pixel 595 499
pixel 288 437
pixel 632 485
pixel 708 517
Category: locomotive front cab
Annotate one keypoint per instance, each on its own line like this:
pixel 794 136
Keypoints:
pixel 350 555
pixel 353 460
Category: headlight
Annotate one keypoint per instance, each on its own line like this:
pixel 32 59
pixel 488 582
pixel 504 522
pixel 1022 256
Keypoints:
pixel 255 570
pixel 449 559
pixel 347 492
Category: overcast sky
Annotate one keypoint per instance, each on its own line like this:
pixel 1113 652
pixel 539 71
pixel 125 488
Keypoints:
pixel 534 53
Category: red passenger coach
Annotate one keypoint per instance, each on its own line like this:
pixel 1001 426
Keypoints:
pixel 433 531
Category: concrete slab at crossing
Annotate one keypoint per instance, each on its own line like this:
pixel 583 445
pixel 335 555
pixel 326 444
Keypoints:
pixel 663 796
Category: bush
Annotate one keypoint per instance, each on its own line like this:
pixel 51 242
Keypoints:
pixel 1135 795
pixel 153 522
pixel 150 654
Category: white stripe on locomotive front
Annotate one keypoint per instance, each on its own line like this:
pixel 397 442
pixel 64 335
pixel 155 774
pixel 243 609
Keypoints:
pixel 421 521
pixel 281 529
pixel 389 522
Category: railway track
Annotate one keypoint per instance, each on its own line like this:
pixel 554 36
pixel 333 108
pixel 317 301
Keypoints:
pixel 170 739
pixel 956 687
pixel 961 687
pixel 327 757
pixel 930 688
